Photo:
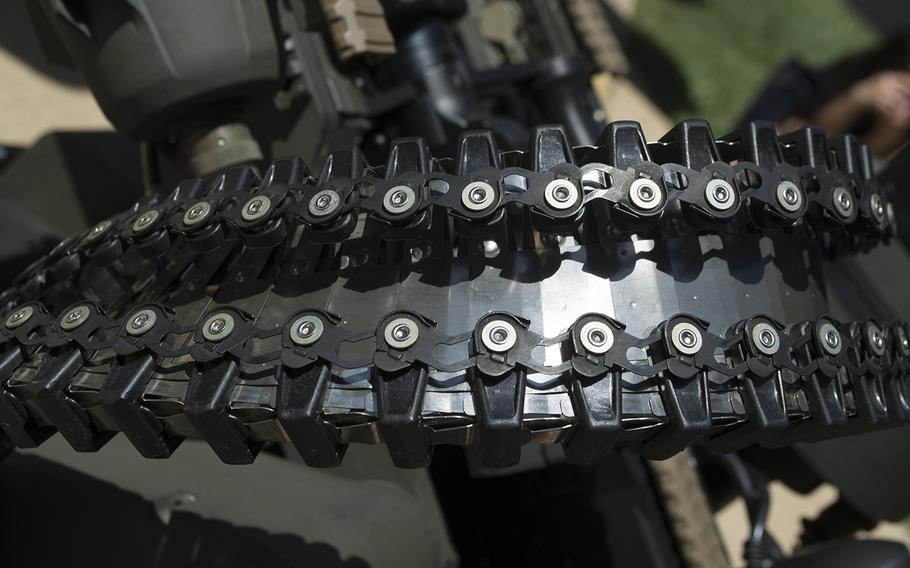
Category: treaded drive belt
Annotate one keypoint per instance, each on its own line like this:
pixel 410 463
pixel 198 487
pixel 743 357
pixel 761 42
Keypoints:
pixel 144 324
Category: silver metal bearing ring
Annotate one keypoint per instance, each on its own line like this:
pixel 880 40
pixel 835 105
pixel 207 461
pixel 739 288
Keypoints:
pixel 196 214
pixel 256 208
pixel 765 338
pixel 145 221
pixel 478 196
pixel 902 342
pixel 645 194
pixel 498 336
pixel 843 202
pixel 877 208
pixel 596 337
pixel 399 199
pixel 324 203
pixel 686 338
pixel 97 231
pixel 306 330
pixel 19 317
pixel 74 318
pixel 561 194
pixel 218 326
pixel 876 339
pixel 830 338
pixel 789 196
pixel 141 322
pixel 720 194
pixel 401 333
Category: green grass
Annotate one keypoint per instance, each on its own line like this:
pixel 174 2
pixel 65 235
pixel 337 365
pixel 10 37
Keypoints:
pixel 723 51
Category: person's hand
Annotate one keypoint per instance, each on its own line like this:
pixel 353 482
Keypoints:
pixel 887 94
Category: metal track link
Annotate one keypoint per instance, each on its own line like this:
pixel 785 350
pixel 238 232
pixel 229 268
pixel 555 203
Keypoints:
pixel 145 324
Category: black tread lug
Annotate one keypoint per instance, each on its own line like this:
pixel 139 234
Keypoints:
pixel 299 409
pixel 690 143
pixel 500 407
pixel 408 155
pixel 48 391
pixel 284 171
pixel 477 149
pixel 549 147
pixel 598 411
pixel 14 417
pixel 807 147
pixel 347 163
pixel 121 396
pixel 622 144
pixel 759 144
pixel 399 398
pixel 206 405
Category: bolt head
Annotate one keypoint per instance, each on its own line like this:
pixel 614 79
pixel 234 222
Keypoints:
pixel 645 194
pixel 256 208
pixel 401 333
pixel 197 214
pixel 141 322
pixel 843 202
pixel 399 199
pixel 145 221
pixel 789 196
pixel 686 338
pixel 74 318
pixel 498 336
pixel 19 317
pixel 218 327
pixel 306 330
pixel 478 196
pixel 596 337
pixel 561 194
pixel 875 339
pixel 97 231
pixel 830 338
pixel 720 195
pixel 324 203
pixel 765 338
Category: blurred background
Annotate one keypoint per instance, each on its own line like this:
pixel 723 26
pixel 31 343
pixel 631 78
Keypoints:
pixel 722 60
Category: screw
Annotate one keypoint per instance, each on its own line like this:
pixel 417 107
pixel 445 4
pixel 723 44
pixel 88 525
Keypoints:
pixel 197 213
pixel 399 199
pixel 765 338
pixel 74 318
pixel 560 194
pixel 830 338
pixel 686 338
pixel 843 203
pixel 596 337
pixel 306 330
pixel 256 208
pixel 324 203
pixel 720 194
pixel 877 207
pixel 498 336
pixel 645 194
pixel 902 341
pixel 478 195
pixel 145 221
pixel 97 231
pixel 876 339
pixel 401 333
pixel 141 322
pixel 19 317
pixel 789 196
pixel 218 326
